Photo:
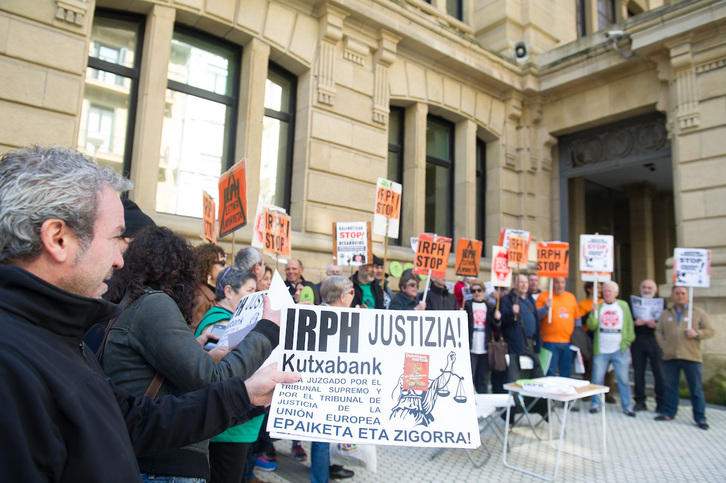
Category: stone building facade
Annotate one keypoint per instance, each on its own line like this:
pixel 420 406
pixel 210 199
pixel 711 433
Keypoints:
pixel 557 117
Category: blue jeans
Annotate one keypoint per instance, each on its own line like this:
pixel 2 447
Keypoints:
pixel 620 364
pixel 170 479
pixel 319 462
pixel 692 370
pixel 562 358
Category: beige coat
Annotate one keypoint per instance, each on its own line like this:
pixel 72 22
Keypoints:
pixel 671 336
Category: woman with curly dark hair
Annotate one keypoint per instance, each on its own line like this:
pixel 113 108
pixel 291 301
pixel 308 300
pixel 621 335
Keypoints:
pixel 150 349
pixel 210 260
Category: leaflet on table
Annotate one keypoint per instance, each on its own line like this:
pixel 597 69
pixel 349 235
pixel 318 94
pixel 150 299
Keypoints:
pixel 552 385
pixel 375 376
pixel 646 309
pixel 249 311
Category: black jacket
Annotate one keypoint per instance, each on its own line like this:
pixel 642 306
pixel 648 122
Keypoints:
pixel 440 299
pixel 358 297
pixel 401 301
pixel 62 420
pixel 513 331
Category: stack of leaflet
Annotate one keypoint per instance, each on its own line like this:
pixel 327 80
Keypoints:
pixel 552 385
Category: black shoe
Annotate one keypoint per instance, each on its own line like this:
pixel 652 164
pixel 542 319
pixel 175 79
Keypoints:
pixel 337 472
pixel 703 425
pixel 595 410
pixel 640 407
pixel 575 409
pixel 630 413
pixel 663 417
pixel 610 399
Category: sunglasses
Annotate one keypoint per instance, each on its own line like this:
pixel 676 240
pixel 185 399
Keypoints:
pixel 412 284
pixel 220 263
pixel 476 290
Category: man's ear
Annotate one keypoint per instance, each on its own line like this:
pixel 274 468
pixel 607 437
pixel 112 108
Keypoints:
pixel 55 236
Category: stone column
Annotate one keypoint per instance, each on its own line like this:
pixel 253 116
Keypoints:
pixel 151 105
pixel 414 170
pixel 642 255
pixel 255 59
pixel 465 209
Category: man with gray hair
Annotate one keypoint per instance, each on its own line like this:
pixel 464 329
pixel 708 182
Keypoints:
pixel 60 224
pixel 251 259
pixel 612 325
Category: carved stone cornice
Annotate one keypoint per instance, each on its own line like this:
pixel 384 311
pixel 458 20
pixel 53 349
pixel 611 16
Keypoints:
pixel 384 57
pixel 331 32
pixel 71 13
pixel 687 109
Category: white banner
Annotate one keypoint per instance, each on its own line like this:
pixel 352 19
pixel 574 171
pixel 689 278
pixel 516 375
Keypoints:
pixel 376 376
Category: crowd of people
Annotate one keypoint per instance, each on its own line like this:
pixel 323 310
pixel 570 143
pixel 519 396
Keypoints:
pixel 126 382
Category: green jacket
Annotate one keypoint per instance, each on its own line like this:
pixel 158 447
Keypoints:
pixel 628 334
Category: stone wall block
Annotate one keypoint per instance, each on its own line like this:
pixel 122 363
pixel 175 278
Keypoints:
pixel 251 15
pixel 223 9
pixel 51 48
pixel 63 92
pixel 304 38
pixel 279 25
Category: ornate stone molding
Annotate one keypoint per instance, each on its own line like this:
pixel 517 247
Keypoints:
pixel 513 133
pixel 630 141
pixel 71 12
pixel 688 113
pixel 355 51
pixel 709 66
pixel 384 57
pixel 331 31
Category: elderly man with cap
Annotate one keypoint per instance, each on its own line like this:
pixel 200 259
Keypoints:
pixel 368 292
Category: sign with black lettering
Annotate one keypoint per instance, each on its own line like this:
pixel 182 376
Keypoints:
pixel 277 232
pixel 381 377
pixel 468 254
pixel 209 223
pixel 692 267
pixel 596 253
pixel 518 249
pixel 432 253
pixel 387 213
pixel 233 199
pixel 352 243
pixel 553 259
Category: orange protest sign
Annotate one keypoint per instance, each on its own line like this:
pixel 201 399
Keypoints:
pixel 233 199
pixel 553 259
pixel 388 203
pixel 432 253
pixel 277 233
pixel 208 220
pixel 468 253
pixel 518 249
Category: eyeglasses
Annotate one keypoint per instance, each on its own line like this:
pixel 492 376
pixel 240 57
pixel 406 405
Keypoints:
pixel 220 262
pixel 476 290
pixel 412 284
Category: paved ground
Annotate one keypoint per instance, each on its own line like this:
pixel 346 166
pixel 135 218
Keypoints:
pixel 638 449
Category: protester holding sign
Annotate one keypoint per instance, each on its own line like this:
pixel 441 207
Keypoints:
pixel 556 333
pixel 645 347
pixel 612 325
pixel 681 346
pixel 228 450
pixel 520 324
pixel 482 319
pixel 151 340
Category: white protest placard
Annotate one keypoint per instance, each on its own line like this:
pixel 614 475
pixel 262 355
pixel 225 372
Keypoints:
pixel 602 277
pixel 249 311
pixel 501 273
pixel 387 215
pixel 596 253
pixel 646 309
pixel 692 267
pixel 382 377
pixel 352 243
